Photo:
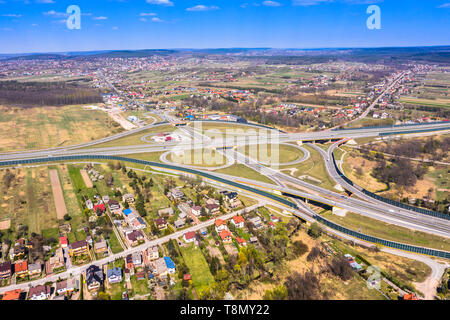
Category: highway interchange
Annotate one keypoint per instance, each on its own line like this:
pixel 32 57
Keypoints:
pixel 359 203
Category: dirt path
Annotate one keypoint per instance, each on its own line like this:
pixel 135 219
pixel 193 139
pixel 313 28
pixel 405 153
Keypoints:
pixel 86 179
pixel 58 195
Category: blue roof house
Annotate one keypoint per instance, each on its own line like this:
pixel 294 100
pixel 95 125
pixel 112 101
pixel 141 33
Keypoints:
pixel 170 265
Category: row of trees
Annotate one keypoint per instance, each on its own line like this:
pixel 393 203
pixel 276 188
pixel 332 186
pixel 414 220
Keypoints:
pixel 46 94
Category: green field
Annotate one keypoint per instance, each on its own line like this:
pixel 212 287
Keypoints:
pixel 281 153
pixel 241 170
pixel 314 167
pixel 199 269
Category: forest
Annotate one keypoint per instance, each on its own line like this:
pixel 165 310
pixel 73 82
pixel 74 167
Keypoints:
pixel 32 94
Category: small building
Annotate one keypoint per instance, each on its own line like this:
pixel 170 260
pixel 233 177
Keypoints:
pixel 189 237
pixel 153 253
pixel 166 212
pixel 89 204
pixel 79 248
pixel 161 223
pixel 94 277
pixel 226 236
pixel 133 238
pixel 128 198
pixel 114 205
pixel 196 210
pixel 5 270
pixel 34 270
pixel 220 225
pixel 12 295
pixel 101 246
pixel 213 208
pixel 180 223
pixel 64 242
pixel 21 269
pixel 238 221
pixel 114 275
pixel 40 292
pixel 241 241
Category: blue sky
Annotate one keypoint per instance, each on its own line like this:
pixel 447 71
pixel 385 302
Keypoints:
pixel 39 25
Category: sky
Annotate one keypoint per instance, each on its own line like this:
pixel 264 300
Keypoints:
pixel 40 25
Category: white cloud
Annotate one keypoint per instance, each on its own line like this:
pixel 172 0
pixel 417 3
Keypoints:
pixel 271 3
pixel 161 2
pixel 156 19
pixel 100 18
pixel 147 14
pixel 201 7
pixel 12 15
pixel 445 5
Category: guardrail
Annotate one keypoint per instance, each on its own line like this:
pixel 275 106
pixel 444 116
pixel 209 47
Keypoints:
pixel 394 126
pixel 382 134
pixel 387 243
pixel 389 201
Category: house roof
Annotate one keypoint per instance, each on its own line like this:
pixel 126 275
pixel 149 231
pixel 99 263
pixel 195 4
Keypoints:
pixel 114 272
pixel 224 234
pixel 189 235
pixel 160 221
pixel 21 266
pixel 5 266
pixel 219 222
pixel 127 212
pixel 63 240
pixel 238 219
pixel 100 206
pixel 240 240
pixel 38 290
pixel 12 295
pixel 78 244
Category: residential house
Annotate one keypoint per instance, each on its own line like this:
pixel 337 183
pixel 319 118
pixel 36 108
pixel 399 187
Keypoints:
pixel 140 275
pixel 40 292
pixel 18 252
pixel 213 208
pixel 64 242
pixel 129 262
pixel 274 218
pixel 232 199
pixel 128 198
pixel 114 275
pixel 12 295
pixel 34 270
pixel 114 205
pixel 166 212
pixel 133 238
pixel 137 259
pixel 161 223
pixel 241 241
pixel 105 199
pixel 101 247
pixel 94 277
pixel 79 248
pixel 175 194
pixel 196 210
pixel 185 208
pixel 21 269
pixel 253 240
pixel 55 262
pixel 100 208
pixel 256 222
pixel 5 270
pixel 189 236
pixel 139 223
pixel 153 253
pixel 61 287
pixel 226 236
pixel 89 204
pixel 180 223
pixel 220 225
pixel 238 221
pixel 212 201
